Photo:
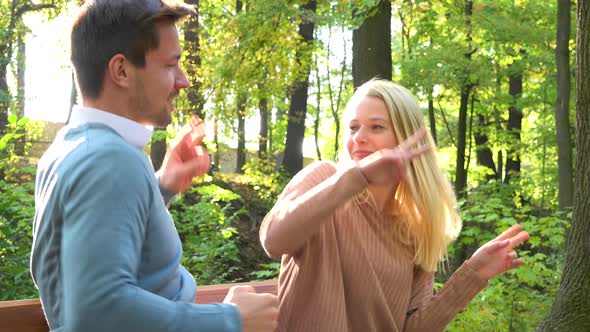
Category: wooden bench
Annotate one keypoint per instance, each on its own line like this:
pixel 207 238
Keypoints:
pixel 27 315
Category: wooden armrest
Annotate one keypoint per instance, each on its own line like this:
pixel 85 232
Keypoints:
pixel 28 316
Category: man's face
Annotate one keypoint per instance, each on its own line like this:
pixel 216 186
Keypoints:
pixel 159 82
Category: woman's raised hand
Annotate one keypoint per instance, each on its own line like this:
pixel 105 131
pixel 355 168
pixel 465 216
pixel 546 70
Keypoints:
pixel 390 166
pixel 498 255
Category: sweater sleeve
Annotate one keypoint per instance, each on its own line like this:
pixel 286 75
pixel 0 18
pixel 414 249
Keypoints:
pixel 433 313
pixel 166 195
pixel 309 198
pixel 105 205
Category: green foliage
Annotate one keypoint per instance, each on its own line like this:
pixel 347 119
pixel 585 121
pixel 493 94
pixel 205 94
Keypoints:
pixel 266 182
pixel 16 215
pixel 14 131
pixel 268 271
pixel 205 227
pixel 517 300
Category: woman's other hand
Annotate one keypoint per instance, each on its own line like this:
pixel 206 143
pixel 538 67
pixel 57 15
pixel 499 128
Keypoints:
pixel 498 255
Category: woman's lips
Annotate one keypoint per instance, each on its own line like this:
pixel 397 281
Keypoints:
pixel 361 154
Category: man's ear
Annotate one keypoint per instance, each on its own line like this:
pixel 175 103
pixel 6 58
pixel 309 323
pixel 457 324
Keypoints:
pixel 120 71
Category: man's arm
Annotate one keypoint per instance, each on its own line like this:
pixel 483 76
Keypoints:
pixel 105 213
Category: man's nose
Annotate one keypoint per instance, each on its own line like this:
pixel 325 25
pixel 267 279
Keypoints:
pixel 181 81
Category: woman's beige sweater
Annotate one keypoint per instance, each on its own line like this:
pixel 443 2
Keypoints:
pixel 352 275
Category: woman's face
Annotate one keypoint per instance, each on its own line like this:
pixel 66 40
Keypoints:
pixel 370 128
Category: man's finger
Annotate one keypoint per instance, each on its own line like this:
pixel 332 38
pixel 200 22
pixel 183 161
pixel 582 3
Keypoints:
pixel 196 135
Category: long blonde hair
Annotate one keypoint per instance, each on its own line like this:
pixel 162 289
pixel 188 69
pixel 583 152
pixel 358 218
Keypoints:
pixel 427 199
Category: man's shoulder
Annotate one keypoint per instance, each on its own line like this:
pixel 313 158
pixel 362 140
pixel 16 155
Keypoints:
pixel 92 146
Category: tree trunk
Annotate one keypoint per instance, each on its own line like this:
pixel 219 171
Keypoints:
pixel 316 120
pixel 192 61
pixel 19 147
pixel 241 115
pixel 293 161
pixel 371 46
pixel 514 126
pixel 73 96
pixel 263 134
pixel 4 99
pixel 460 171
pixel 335 104
pixel 431 118
pixel 467 86
pixel 562 118
pixel 483 152
pixel 216 157
pixel 569 311
pixel 158 147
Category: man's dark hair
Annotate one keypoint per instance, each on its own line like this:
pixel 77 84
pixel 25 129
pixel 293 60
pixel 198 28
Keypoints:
pixel 104 28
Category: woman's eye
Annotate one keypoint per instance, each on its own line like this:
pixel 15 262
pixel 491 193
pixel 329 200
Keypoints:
pixel 354 128
pixel 377 127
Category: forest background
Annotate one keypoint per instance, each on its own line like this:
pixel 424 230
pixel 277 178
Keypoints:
pixel 494 79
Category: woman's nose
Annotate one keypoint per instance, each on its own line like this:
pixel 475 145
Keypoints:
pixel 359 136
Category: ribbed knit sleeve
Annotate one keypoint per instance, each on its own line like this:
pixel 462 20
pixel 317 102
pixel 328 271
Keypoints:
pixel 434 313
pixel 308 200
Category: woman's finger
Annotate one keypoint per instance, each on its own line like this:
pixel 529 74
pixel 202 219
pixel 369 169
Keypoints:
pixel 418 152
pixel 518 239
pixel 510 232
pixel 494 246
pixel 414 139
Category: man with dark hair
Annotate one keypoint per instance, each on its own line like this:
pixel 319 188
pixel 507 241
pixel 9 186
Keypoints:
pixel 106 254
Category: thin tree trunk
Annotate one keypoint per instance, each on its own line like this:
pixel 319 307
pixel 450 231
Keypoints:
pixel 241 115
pixel 5 98
pixel 562 118
pixel 158 147
pixel 316 122
pixel 19 148
pixel 263 134
pixel 73 96
pixel 431 118
pixel 335 104
pixel 569 311
pixel 467 86
pixel 216 141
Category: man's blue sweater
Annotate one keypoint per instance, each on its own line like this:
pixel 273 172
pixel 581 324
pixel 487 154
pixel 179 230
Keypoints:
pixel 106 254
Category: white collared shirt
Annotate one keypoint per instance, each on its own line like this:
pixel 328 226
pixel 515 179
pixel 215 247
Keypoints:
pixel 134 133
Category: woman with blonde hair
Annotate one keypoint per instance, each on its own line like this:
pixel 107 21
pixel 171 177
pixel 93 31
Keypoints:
pixel 360 240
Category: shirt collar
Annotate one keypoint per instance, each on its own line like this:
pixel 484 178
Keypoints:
pixel 133 132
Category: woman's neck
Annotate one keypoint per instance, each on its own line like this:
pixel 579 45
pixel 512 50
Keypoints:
pixel 383 195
